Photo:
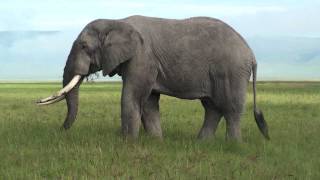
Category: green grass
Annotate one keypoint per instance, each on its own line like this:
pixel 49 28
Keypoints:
pixel 33 147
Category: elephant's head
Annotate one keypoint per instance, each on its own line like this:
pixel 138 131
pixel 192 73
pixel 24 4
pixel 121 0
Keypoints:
pixel 102 45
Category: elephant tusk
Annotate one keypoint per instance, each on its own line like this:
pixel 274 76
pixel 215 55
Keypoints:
pixel 70 85
pixel 46 99
pixel 60 94
pixel 50 100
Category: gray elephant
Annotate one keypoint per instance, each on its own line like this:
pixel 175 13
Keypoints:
pixel 196 58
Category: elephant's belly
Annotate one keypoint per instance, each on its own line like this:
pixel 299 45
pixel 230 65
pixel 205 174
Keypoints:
pixel 183 91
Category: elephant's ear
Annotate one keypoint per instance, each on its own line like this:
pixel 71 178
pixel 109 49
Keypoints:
pixel 119 45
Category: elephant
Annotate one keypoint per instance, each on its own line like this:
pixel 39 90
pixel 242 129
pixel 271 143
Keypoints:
pixel 196 58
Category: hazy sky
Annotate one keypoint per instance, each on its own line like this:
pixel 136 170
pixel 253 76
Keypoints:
pixel 268 17
pixel 42 55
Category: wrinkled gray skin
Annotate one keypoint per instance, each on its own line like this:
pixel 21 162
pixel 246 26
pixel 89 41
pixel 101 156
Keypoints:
pixel 197 58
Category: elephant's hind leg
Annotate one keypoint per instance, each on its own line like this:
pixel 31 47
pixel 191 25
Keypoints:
pixel 211 120
pixel 233 126
pixel 151 115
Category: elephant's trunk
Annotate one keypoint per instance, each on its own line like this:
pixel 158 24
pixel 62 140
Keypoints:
pixel 72 99
pixel 70 92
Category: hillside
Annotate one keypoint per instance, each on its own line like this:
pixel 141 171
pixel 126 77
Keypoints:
pixel 40 55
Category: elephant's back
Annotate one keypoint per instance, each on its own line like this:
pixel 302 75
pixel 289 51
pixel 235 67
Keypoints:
pixel 195 26
pixel 197 41
pixel 205 36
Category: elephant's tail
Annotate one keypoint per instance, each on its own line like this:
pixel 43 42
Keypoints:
pixel 258 115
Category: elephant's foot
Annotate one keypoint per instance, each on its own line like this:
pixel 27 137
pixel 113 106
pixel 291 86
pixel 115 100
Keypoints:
pixel 236 138
pixel 129 135
pixel 152 126
pixel 233 132
pixel 154 131
pixel 130 129
pixel 205 133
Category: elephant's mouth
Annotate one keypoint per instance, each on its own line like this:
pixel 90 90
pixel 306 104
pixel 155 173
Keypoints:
pixel 93 68
pixel 60 95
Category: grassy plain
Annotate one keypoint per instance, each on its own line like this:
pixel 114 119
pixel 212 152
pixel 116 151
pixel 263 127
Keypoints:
pixel 33 147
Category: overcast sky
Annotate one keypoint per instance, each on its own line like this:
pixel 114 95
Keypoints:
pixel 267 17
pixel 26 55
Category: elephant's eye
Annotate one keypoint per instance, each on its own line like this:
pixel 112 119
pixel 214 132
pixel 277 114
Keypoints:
pixel 108 44
pixel 83 46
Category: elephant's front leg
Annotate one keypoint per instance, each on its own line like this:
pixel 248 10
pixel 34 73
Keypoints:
pixel 130 114
pixel 138 78
pixel 151 115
